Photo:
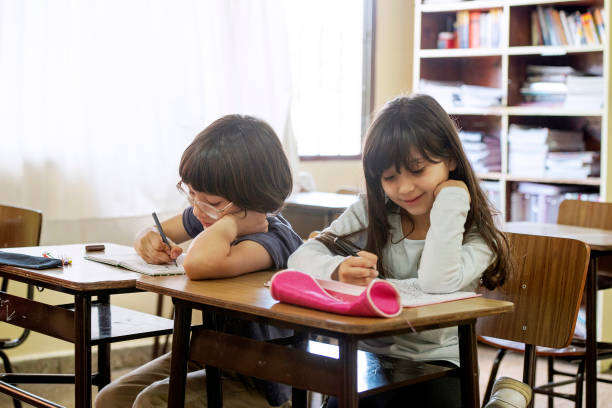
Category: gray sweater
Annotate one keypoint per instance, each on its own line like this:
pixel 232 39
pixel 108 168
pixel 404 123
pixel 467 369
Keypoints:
pixel 442 263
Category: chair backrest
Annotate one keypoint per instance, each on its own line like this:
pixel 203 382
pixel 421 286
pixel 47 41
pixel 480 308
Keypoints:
pixel 19 226
pixel 545 286
pixel 590 214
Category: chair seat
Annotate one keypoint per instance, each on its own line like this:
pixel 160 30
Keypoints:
pixel 569 351
pixel 576 349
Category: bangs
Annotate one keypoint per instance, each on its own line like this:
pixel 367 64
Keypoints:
pixel 397 145
pixel 203 171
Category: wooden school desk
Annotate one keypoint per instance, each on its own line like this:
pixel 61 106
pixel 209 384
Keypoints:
pixel 85 323
pixel 246 297
pixel 600 242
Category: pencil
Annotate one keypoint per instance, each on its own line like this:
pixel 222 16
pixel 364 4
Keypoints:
pixel 346 246
pixel 161 232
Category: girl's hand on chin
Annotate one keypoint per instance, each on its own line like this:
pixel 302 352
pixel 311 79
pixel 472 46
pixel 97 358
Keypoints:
pixel 451 183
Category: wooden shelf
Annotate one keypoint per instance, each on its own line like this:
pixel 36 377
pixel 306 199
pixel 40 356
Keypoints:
pixel 459 52
pixel 487 5
pixel 549 50
pixel 505 68
pixel 549 111
pixel 591 181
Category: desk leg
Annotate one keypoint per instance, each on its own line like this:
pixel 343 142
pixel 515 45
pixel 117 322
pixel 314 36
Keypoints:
pixel 180 352
pixel 299 397
pixel 468 358
pixel 214 390
pixel 104 372
pixel 348 397
pixel 591 334
pixel 82 351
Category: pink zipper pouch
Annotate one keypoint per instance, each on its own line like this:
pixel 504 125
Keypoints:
pixel 379 298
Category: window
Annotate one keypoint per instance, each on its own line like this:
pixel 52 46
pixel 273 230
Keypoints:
pixel 330 45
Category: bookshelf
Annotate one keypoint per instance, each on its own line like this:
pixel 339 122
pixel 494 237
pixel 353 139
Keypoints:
pixel 505 63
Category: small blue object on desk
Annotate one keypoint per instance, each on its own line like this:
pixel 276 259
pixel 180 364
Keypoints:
pixel 29 261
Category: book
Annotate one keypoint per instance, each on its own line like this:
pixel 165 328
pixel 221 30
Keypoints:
pixel 463 29
pixel 474 29
pixel 536 31
pixel 599 24
pixel 590 32
pixel 410 292
pixel 544 26
pixel 133 262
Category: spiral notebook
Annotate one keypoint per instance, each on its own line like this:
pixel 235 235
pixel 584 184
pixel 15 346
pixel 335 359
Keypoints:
pixel 134 262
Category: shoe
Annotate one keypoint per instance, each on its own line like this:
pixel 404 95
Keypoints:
pixel 509 393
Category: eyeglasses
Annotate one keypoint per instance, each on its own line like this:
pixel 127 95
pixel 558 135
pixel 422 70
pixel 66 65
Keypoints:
pixel 209 210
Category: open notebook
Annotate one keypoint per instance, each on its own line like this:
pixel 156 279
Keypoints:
pixel 410 292
pixel 134 262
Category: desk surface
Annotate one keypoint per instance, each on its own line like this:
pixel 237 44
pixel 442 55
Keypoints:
pixel 82 275
pixel 598 239
pixel 321 200
pixel 248 294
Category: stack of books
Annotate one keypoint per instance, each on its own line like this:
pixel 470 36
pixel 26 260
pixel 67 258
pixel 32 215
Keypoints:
pixel 493 192
pixel 482 151
pixel 546 85
pixel 573 165
pixel 584 92
pixel 540 202
pixel 529 147
pixel 457 94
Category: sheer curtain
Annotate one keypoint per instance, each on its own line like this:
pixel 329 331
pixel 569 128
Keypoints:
pixel 98 99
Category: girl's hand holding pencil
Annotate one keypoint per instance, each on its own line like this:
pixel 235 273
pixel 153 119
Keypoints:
pixel 359 269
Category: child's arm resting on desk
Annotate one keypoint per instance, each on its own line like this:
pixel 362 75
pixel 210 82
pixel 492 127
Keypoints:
pixel 151 248
pixel 449 264
pixel 212 255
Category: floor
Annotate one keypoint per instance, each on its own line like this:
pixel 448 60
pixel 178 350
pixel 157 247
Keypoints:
pixel 511 367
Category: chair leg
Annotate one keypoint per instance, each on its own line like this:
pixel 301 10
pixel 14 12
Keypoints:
pixel 551 378
pixel 580 383
pixel 9 369
pixel 529 368
pixel 498 358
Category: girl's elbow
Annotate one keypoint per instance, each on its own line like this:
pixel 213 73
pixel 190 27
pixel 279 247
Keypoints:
pixel 429 285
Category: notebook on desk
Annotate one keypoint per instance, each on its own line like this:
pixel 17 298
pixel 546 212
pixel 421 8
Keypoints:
pixel 134 262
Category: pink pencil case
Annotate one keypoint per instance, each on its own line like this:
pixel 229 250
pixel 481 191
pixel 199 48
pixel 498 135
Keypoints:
pixel 379 298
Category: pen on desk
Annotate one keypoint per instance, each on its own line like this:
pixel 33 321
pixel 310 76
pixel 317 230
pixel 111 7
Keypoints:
pixel 161 232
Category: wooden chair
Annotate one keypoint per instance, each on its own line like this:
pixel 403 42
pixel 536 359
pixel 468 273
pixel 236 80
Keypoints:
pixel 590 214
pixel 546 287
pixel 19 227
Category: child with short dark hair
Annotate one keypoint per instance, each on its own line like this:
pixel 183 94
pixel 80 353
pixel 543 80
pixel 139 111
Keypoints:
pixel 236 176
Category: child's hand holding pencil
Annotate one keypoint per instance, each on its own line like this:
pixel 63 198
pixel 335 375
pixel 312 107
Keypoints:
pixel 359 268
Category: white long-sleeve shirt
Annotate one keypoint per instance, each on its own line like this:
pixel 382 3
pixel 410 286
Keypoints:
pixel 442 263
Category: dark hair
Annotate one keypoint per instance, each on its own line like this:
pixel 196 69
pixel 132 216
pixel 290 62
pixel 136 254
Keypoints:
pixel 239 158
pixel 419 122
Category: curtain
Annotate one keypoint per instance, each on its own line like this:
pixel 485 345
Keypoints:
pixel 99 98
